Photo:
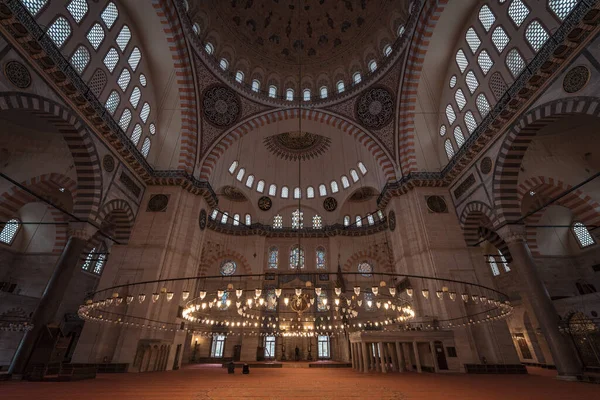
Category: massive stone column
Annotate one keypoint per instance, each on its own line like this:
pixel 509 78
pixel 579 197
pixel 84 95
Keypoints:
pixel 417 359
pixel 353 354
pixel 533 288
pixel 400 355
pixel 45 313
pixel 436 367
pixel 382 357
pixel 365 357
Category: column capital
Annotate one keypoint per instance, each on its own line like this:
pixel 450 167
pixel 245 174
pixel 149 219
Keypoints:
pixel 512 234
pixel 81 230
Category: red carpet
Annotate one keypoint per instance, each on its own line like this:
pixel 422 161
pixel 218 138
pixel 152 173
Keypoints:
pixel 212 382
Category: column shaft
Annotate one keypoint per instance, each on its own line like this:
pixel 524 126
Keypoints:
pixel 365 357
pixel 382 357
pixel 436 367
pixel 417 360
pixel 400 355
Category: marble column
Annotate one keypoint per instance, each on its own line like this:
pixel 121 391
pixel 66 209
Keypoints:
pixel 352 355
pixel 406 347
pixel 57 286
pixel 377 362
pixel 417 359
pixel 393 356
pixel 382 357
pixel 371 356
pixel 567 363
pixel 436 367
pixel 358 357
pixel 365 357
pixel 400 355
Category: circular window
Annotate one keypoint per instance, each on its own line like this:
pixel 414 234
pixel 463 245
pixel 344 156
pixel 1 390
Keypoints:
pixel 365 269
pixel 228 267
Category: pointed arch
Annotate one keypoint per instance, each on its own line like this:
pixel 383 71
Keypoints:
pixel 477 221
pixel 215 259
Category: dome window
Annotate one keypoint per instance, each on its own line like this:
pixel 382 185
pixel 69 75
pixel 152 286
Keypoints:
pixel 272 91
pixel 356 78
pixel 340 86
pixel 255 85
pixel 224 64
pixel 372 65
pixel 239 77
pixel 209 48
pixel 387 50
pixel 289 94
pixel 323 92
pixel 306 95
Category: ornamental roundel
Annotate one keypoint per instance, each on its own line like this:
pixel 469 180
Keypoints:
pixel 330 204
pixel 576 79
pixel 158 203
pixel 17 74
pixel 202 219
pixel 375 108
pixel 486 165
pixel 265 203
pixel 392 220
pixel 221 105
pixel 108 162
pixel 228 267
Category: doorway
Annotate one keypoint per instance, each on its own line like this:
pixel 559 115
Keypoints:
pixel 441 356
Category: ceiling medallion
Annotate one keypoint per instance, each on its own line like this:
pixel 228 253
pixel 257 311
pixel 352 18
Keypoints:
pixel 202 219
pixel 265 203
pixel 17 74
pixel 294 145
pixel 221 105
pixel 375 108
pixel 330 204
pixel 108 162
pixel 576 79
pixel 158 203
pixel 392 220
pixel 486 165
pixel 362 194
pixel 436 204
pixel 233 194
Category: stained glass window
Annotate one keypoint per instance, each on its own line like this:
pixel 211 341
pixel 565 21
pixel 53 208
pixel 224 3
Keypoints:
pixel 461 101
pixel 562 8
pixel 255 85
pixel 228 267
pixel 461 60
pixel 260 186
pixel 459 137
pixel 145 112
pixel 233 167
pixel 334 187
pixel 248 220
pixel 472 82
pixel 346 220
pixel 450 114
pixel 536 35
pixel 484 61
pixel 136 134
pixel 209 48
pixel 310 192
pixel 9 231
pixel 273 258
pixel 134 58
pixel 236 219
pixel 500 39
pixel 503 261
pixel 470 121
pixel 111 59
pixel 289 94
pixel 278 222
pixel 518 12
pixel 449 149
pixel 134 99
pixel 297 193
pixel 146 147
pixel 583 235
pixel 306 95
pixel 345 181
pixel 515 62
pixel 112 102
pixel 240 174
pixel 372 65
pixel 473 40
pixel 320 258
pixel 486 17
pixel 482 105
pixel 125 120
pixel 273 190
pixel 340 86
pixel 224 217
pixel 322 190
pixel 297 219
pixel 124 79
pixel 442 130
pixel 387 50
pixel 323 92
pixel 356 78
pixel 224 64
pixel 370 219
pixel 354 175
pixel 239 76
pixel 87 264
pixel 317 222
pixel 362 168
pixel 34 6
pixel 297 258
pixel 358 220
pixel 285 192
pixel 250 181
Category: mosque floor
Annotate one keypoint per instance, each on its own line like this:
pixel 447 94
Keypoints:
pixel 203 382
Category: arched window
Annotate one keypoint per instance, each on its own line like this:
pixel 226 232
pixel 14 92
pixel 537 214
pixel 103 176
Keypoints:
pixel 224 218
pixel 323 92
pixel 358 220
pixel 372 65
pixel 472 40
pixel 472 82
pixel 272 91
pixel 483 106
pixel 356 78
pixel 450 114
pixel 297 219
pixel 503 261
pixel 362 168
pixel 136 134
pixel 9 231
pixel 297 258
pixel 239 77
pixel 493 266
pixel 59 31
pixel 112 102
pixel 345 182
pixel 289 94
pixel 306 95
pixel 260 186
pixel 322 190
pixel 485 62
pixel 380 215
pixel 365 269
pixel 449 149
pixel 124 79
pixel 240 174
pixel 209 48
pixel 236 219
pixel 517 11
pixel 123 38
pixel 80 59
pixel 500 38
pixel 273 257
pixel 583 235
pixel 515 62
pixel 387 50
pixel 486 17
pixel 562 8
pixel 273 190
pixel 317 222
pixel 95 260
pixel 400 30
pixel 248 219
pixel 250 181
pixel 285 193
pixel 370 219
pixel 297 193
pixel 278 222
pixel 196 28
pixel 320 253
pixel 255 85
pixel 224 64
pixel 310 192
pixel 461 101
pixel 34 6
pixel 334 187
pixel 536 35
pixel 470 122
pixel 461 60
pixel 125 120
pixel 233 167
pixel 340 86
pixel 459 137
pixel 146 147
pixel 346 220
pixel 354 175
pixel 214 214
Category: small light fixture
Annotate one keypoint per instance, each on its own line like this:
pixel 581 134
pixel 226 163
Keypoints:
pixel 357 290
pixel 464 297
pixel 338 291
pixel 475 298
pixel 312 301
pixel 452 295
pixel 325 301
pixel 318 291
pixel 337 302
pixel 369 303
pixel 298 291
pixel 378 304
pixel 185 294
pixel 409 291
pixel 286 301
pixel 257 292
pixel 392 291
pixel 155 297
pixel 170 296
pixel 375 290
pixel 439 294
pixel 425 293
pixel 220 293
pixel 202 294
pixel 278 292
pixel 129 299
pixel 359 302
pixel 261 301
pixel 239 292
pixel 483 299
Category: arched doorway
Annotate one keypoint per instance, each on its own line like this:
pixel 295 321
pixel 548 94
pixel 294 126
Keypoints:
pixel 586 337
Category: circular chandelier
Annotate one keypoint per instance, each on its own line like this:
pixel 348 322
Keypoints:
pixel 293 304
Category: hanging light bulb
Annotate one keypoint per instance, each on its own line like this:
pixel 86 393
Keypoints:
pixel 375 290
pixel 349 301
pixel 118 301
pixel 392 291
pixel 425 293
pixel 170 296
pixel 298 291
pixel 155 297
pixel 465 297
pixel 185 294
pixel 369 303
pixel 202 294
pixel 452 295
pixel 249 302
pixel 261 301
pixel 278 292
pixel 318 291
pixel 439 294
pixel 129 299
pixel 286 301
pixel 228 302
pixel 238 304
pixel 475 298
pixel 338 291
pixel 312 301
pixel 409 291
pixel 378 304
pixel 483 299
pixel 337 302
pixel 359 302
pixel 220 293
pixel 239 292
pixel 357 290
pixel 386 306
pixel 325 301
pixel 257 292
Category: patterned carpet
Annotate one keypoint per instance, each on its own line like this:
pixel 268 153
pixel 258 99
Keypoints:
pixel 213 382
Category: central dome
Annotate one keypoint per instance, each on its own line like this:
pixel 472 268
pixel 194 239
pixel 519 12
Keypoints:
pixel 268 40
